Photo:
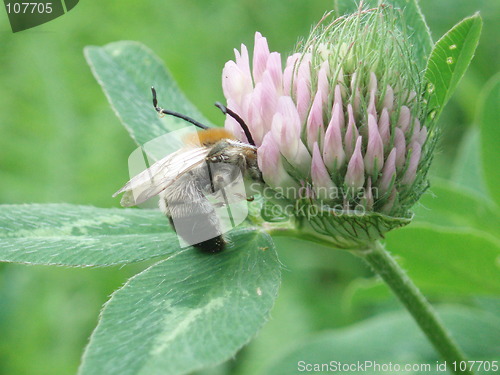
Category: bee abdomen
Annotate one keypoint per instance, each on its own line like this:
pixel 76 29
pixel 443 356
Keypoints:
pixel 212 246
pixel 200 231
pixel 197 224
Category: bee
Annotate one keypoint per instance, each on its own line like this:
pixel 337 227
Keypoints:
pixel 185 179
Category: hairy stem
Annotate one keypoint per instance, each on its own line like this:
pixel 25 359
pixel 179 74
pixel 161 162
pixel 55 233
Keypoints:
pixel 411 297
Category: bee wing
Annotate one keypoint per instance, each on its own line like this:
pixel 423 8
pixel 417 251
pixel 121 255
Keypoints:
pixel 161 175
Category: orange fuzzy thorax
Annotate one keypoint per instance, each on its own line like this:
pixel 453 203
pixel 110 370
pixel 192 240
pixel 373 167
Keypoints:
pixel 208 137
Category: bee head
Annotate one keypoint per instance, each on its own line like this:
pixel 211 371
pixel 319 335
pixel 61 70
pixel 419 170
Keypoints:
pixel 222 135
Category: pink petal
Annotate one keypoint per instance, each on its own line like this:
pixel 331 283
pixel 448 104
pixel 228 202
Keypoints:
pixel 260 56
pixel 287 108
pixel 286 131
pixel 337 100
pixel 400 144
pixel 351 133
pixel 422 136
pixel 232 126
pixel 411 96
pixel 315 127
pixel 388 173
pixel 303 99
pixel 415 131
pixel 275 71
pixel 372 109
pixel 384 127
pixel 411 172
pixel 374 156
pixel 372 87
pixel 242 60
pixel 333 152
pixel 304 70
pixel 319 175
pixel 235 83
pixel 389 98
pixel 283 137
pixel 323 85
pixel 355 175
pixel 269 100
pixel 404 118
pixel 254 117
pixel 289 73
pixel 271 166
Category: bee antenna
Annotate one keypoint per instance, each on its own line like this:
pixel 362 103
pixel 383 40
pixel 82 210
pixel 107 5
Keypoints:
pixel 162 111
pixel 240 121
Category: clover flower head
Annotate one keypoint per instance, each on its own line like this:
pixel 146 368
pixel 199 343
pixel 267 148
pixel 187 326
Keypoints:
pixel 342 126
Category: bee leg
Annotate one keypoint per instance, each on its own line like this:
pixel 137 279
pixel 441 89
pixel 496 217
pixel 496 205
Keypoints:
pixel 220 184
pixel 211 178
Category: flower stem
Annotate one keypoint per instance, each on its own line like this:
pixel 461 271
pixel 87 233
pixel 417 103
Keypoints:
pixel 384 264
pixel 421 310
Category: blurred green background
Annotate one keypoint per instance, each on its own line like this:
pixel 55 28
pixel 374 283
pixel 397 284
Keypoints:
pixel 61 142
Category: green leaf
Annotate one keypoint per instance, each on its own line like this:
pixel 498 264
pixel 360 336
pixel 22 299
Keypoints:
pixel 449 60
pixel 394 338
pixel 440 259
pixel 490 134
pixel 449 205
pixel 413 23
pixel 126 71
pixel 69 235
pixel 365 292
pixel 446 261
pixel 187 312
pixel 467 167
